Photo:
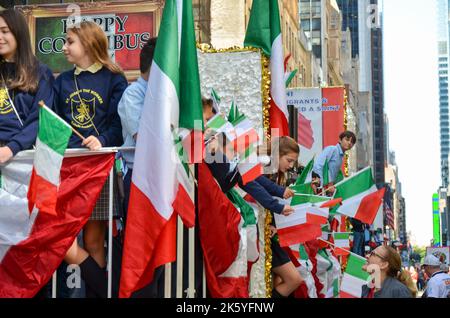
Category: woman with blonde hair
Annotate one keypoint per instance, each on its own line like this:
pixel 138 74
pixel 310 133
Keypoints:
pixel 394 282
pixel 86 97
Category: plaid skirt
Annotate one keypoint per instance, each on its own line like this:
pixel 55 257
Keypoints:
pixel 101 209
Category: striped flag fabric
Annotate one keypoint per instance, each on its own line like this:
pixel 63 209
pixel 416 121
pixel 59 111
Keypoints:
pixel 246 134
pixel 249 167
pixel 305 223
pixel 354 277
pixel 360 197
pixel 33 246
pixel 306 175
pixel 51 143
pixel 342 242
pixel 324 266
pixel 264 31
pixel 305 188
pixel 172 101
pixel 304 267
pixel 311 204
pixel 249 214
pixel 218 124
pixel 223 239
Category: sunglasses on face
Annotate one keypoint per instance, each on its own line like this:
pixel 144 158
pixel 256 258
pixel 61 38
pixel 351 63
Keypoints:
pixel 373 253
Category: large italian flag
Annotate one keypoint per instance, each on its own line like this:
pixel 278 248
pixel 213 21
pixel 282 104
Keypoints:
pixel 33 246
pixel 223 237
pixel 360 196
pixel 51 143
pixel 160 181
pixel 264 32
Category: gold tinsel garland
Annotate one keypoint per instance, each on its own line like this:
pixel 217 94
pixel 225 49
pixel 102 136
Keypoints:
pixel 346 158
pixel 265 92
pixel 265 89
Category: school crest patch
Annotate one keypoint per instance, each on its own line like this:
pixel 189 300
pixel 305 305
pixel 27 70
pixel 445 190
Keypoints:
pixel 83 112
pixel 5 103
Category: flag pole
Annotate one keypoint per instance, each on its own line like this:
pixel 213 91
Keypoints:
pixel 42 104
pixel 110 225
pixel 337 247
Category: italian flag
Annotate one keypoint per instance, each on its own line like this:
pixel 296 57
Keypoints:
pixel 304 224
pixel 246 134
pixel 249 214
pixel 219 124
pixel 299 256
pixel 264 32
pixel 223 237
pixel 32 246
pixel 51 143
pixel 342 242
pixel 249 167
pixel 159 181
pixel 360 196
pixel 324 268
pixel 302 188
pixel 354 277
pixel 306 175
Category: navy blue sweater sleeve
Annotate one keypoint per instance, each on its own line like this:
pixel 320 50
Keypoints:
pixel 220 171
pixel 26 137
pixel 112 136
pixel 271 187
pixel 260 194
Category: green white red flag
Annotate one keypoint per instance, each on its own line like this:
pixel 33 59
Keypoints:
pixel 172 102
pixel 264 31
pixel 360 197
pixel 51 143
pixel 354 277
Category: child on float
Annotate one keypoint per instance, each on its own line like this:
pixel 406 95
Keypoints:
pixel 86 97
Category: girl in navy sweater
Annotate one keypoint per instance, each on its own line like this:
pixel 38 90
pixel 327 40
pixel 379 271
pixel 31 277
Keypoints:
pixel 86 97
pixel 23 83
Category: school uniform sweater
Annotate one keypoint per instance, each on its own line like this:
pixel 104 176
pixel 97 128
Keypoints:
pixel 261 189
pixel 90 103
pixel 13 134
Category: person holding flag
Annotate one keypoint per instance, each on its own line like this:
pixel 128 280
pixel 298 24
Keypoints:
pixel 333 156
pixel 394 282
pixel 24 81
pixel 287 279
pixel 92 110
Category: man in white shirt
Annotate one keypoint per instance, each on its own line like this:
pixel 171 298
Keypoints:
pixel 438 285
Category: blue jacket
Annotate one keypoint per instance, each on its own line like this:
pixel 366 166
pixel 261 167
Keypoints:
pixel 12 133
pixel 100 93
pixel 261 189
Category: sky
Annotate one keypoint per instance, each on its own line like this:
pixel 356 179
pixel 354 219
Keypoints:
pixel 412 105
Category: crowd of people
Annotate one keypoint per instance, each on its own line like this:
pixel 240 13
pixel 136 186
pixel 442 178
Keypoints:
pixel 115 122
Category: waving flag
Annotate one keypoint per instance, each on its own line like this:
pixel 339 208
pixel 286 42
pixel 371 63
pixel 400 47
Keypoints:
pixel 360 197
pixel 264 32
pixel 33 246
pixel 342 241
pixel 354 277
pixel 172 101
pixel 306 175
pixel 246 134
pixel 53 137
pixel 223 239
